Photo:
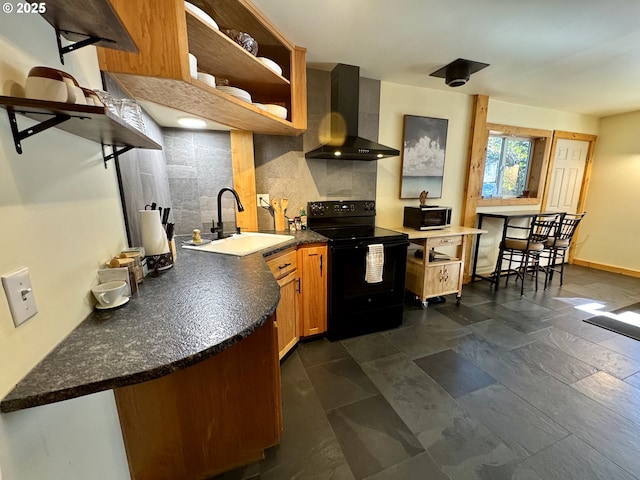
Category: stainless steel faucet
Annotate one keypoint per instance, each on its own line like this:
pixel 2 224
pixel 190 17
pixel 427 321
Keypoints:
pixel 219 229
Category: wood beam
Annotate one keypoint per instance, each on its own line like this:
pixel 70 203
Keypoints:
pixel 244 178
pixel 475 170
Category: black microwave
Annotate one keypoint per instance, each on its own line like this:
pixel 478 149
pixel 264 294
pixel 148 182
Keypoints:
pixel 427 217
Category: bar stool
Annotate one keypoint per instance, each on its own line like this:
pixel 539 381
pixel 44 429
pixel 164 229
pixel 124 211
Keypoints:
pixel 557 245
pixel 522 246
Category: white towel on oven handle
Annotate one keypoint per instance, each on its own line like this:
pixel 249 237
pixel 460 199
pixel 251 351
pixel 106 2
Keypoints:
pixel 375 263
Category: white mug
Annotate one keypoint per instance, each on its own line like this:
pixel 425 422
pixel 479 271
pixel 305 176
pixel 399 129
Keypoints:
pixel 109 293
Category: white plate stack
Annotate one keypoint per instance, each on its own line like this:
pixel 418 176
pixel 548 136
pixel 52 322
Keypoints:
pixel 236 92
pixel 271 65
pixel 277 110
pixel 201 14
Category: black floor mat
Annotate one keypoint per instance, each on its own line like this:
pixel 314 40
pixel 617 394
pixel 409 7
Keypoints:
pixel 617 325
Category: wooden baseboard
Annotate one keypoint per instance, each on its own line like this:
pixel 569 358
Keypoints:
pixel 608 268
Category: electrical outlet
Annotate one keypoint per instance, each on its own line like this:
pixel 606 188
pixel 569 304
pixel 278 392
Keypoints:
pixel 263 200
pixel 22 301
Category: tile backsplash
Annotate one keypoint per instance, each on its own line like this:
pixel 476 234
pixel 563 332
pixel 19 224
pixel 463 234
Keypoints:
pixel 198 164
pixel 282 170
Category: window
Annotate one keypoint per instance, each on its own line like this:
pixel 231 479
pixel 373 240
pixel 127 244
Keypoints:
pixel 506 166
pixel 515 165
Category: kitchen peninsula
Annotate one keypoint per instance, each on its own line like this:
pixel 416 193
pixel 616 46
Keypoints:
pixel 192 359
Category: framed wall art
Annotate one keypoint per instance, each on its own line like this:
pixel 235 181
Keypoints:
pixel 423 152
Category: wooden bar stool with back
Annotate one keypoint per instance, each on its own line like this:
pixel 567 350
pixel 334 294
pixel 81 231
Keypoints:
pixel 557 246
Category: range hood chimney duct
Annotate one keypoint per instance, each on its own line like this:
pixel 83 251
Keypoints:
pixel 345 142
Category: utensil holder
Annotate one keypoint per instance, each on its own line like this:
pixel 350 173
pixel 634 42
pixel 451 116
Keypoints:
pixel 279 221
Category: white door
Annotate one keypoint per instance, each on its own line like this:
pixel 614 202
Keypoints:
pixel 566 176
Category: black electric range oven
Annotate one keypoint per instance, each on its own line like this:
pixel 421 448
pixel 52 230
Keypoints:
pixel 355 305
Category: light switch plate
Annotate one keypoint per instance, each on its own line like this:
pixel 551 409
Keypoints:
pixel 22 301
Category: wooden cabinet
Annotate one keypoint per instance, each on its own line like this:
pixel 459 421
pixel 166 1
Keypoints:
pixel 312 267
pixel 165 34
pixel 302 276
pixel 441 274
pixel 284 268
pixel 443 279
pixel 207 418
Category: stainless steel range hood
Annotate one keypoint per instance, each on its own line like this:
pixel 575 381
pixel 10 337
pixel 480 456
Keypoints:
pixel 345 142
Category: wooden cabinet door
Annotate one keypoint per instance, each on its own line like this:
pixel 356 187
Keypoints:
pixel 287 314
pixel 442 279
pixel 450 278
pixel 312 269
pixel 433 281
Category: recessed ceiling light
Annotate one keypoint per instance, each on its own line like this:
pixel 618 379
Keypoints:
pixel 190 122
pixel 337 153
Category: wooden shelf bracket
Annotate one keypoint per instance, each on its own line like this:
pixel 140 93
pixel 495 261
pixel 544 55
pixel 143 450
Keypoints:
pixel 90 40
pixel 19 135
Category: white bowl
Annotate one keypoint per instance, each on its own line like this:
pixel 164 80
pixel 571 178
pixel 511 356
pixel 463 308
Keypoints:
pixel 271 65
pixel 91 97
pixel 78 95
pixel 207 78
pixel 193 66
pixel 201 14
pixel 236 92
pixel 277 110
pixel 42 88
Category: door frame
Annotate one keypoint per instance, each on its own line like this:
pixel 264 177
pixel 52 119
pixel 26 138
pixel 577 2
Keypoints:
pixel 586 178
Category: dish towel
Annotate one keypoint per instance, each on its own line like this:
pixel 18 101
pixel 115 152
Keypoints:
pixel 375 263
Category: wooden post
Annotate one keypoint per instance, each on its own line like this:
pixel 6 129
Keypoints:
pixel 475 171
pixel 244 178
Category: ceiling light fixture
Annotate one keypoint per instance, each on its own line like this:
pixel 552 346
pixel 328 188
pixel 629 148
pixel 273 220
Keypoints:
pixel 457 73
pixel 191 122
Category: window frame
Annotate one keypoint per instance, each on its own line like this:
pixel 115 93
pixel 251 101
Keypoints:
pixel 538 163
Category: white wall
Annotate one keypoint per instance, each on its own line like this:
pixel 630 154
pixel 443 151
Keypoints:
pixel 61 217
pixel 399 100
pixel 609 232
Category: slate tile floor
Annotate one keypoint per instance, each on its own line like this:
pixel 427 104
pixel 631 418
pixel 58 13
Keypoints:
pixel 500 387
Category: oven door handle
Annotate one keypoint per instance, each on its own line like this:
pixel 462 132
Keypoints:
pixel 364 245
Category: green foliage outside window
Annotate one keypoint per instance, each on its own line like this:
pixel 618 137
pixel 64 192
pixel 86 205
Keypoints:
pixel 506 166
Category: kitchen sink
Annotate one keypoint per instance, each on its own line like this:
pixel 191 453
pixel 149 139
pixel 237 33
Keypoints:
pixel 242 244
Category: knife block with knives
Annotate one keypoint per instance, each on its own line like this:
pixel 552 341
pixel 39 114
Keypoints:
pixel 278 213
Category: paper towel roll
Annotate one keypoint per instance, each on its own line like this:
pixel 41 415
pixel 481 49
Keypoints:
pixel 154 238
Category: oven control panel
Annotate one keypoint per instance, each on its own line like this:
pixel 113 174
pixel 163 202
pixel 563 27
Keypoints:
pixel 342 208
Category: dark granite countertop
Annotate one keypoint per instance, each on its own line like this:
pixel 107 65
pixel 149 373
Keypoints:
pixel 201 306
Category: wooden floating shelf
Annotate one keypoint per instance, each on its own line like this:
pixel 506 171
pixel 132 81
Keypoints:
pixel 90 122
pixel 79 19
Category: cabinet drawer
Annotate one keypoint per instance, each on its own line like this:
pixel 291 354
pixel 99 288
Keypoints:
pixel 282 264
pixel 444 241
